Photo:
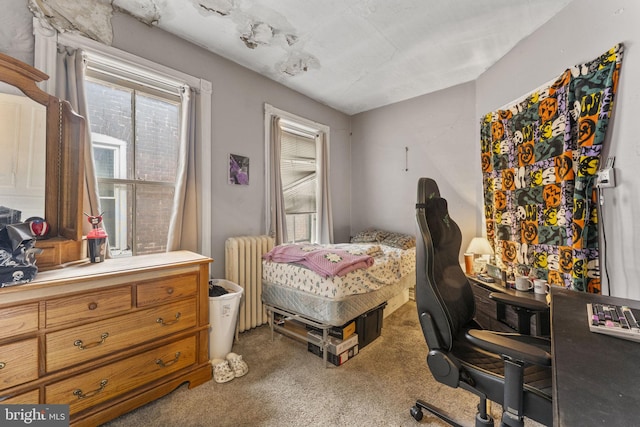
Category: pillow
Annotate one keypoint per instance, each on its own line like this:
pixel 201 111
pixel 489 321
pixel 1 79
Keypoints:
pixel 399 240
pixel 370 235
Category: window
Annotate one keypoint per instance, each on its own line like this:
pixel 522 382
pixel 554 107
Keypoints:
pixel 299 182
pixel 135 128
pixel 190 227
pixel 297 189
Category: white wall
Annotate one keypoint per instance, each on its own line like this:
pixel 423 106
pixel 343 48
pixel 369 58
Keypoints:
pixel 581 32
pixel 439 130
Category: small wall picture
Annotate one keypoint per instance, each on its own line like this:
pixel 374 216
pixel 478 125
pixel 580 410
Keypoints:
pixel 238 169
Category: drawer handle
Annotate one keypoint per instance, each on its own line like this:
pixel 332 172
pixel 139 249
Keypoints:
pixel 169 363
pixel 93 306
pixel 81 346
pixel 2 365
pixel 163 323
pixel 8 396
pixel 170 291
pixel 81 395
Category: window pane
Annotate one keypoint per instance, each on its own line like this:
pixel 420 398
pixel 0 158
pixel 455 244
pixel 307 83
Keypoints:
pixel 117 218
pixel 300 228
pixel 153 210
pixel 104 162
pixel 298 171
pixel 110 113
pixel 157 139
pixel 136 144
pixel 301 196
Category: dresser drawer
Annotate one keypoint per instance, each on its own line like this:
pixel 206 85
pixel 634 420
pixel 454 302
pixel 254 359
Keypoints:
pixel 30 397
pixel 18 320
pixel 166 289
pixel 105 337
pixel 107 382
pixel 18 362
pixel 88 306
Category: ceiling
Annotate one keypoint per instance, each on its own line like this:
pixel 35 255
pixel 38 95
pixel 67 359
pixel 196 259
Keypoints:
pixel 353 55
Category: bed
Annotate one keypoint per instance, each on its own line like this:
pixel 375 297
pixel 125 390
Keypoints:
pixel 323 300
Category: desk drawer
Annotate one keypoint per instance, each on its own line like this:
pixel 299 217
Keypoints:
pixel 87 307
pixel 18 362
pixel 18 320
pixel 83 343
pixel 485 307
pixel 487 312
pixel 107 382
pixel 166 289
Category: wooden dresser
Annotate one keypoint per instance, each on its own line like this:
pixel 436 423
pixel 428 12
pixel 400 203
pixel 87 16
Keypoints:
pixel 106 338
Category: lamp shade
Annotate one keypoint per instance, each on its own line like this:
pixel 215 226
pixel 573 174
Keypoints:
pixel 480 246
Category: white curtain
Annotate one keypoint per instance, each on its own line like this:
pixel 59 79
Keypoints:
pixel 183 225
pixel 70 71
pixel 325 220
pixel 278 226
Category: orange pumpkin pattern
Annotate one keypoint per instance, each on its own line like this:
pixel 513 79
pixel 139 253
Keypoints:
pixel 539 158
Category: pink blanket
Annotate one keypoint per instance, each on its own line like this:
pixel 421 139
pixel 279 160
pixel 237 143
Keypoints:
pixel 325 261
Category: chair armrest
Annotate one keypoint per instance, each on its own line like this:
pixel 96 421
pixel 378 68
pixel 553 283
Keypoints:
pixel 509 347
pixel 516 301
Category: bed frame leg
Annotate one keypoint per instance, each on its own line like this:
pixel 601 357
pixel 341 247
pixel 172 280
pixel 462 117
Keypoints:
pixel 271 319
pixel 325 347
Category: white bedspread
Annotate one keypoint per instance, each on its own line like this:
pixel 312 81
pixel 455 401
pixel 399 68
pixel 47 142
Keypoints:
pixel 390 265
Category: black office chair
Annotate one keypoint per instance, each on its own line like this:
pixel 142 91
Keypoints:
pixel 508 368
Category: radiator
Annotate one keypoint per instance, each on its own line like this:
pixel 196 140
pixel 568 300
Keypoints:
pixel 243 265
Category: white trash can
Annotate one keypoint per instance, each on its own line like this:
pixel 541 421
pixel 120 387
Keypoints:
pixel 223 317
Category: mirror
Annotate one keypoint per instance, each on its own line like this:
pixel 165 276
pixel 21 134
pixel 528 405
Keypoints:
pixel 22 165
pixel 64 170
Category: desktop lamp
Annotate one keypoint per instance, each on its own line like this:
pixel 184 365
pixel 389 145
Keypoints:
pixel 480 246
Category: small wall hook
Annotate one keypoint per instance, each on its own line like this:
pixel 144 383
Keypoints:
pixel 406 159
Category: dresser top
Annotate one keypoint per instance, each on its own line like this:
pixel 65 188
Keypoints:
pixel 123 264
pixel 109 268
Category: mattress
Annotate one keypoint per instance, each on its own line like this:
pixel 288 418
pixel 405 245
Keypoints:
pixel 336 300
pixel 330 311
pixel 390 265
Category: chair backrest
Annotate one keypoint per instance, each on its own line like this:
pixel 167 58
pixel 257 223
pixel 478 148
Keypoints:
pixel 442 289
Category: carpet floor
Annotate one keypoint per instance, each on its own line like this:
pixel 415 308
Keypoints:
pixel 288 386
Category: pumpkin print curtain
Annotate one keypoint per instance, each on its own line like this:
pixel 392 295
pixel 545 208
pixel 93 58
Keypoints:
pixel 539 160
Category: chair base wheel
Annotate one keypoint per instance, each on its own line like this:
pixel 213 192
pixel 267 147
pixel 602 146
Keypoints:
pixel 416 413
pixel 484 422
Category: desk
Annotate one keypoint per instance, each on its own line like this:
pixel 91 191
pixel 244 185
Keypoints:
pixel 596 377
pixel 499 317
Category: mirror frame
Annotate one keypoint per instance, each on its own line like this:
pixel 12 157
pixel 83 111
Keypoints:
pixel 65 137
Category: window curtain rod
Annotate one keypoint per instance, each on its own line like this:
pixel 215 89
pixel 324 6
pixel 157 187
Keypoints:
pixel 300 122
pixel 104 65
pixel 112 55
pixel 297 130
